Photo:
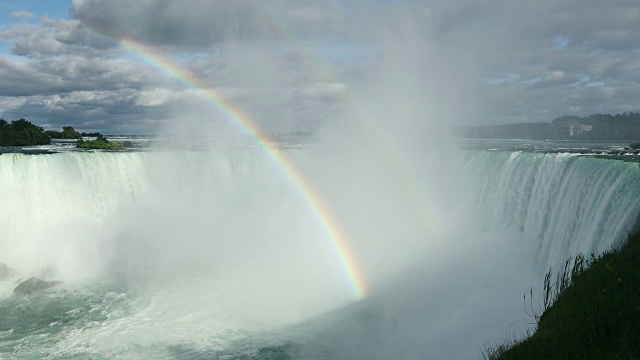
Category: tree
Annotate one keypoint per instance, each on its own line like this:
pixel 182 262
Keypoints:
pixel 22 133
pixel 100 143
pixel 68 132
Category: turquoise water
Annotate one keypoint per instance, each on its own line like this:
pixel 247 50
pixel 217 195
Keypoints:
pixel 33 326
pixel 91 321
pixel 213 255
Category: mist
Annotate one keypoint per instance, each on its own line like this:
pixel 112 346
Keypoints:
pixel 222 244
pixel 248 237
pixel 443 284
pixel 227 226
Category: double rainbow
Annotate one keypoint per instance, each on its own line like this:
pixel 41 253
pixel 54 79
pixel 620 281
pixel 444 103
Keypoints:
pixel 237 116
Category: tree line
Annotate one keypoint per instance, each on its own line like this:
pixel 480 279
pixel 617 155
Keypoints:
pixel 67 133
pixel 24 133
pixel 624 126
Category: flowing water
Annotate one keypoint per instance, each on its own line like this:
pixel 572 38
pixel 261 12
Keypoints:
pixel 215 254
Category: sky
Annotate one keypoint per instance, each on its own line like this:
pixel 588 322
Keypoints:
pixel 293 65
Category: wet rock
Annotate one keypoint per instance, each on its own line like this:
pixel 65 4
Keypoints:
pixel 34 284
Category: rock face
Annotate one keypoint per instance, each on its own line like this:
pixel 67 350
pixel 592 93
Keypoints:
pixel 4 271
pixel 34 284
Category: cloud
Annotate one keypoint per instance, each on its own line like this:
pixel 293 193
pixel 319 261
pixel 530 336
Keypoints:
pixel 552 46
pixel 120 111
pixel 191 24
pixel 204 23
pixel 66 64
pixel 22 14
pixel 72 73
pixel 72 76
pixel 283 61
pixel 559 42
pixel 55 38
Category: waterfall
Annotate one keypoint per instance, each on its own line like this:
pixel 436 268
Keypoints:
pixel 220 241
pixel 566 204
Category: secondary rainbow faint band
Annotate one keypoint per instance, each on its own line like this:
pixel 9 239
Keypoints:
pixel 243 121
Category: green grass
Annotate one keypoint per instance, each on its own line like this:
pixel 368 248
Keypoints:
pixel 592 311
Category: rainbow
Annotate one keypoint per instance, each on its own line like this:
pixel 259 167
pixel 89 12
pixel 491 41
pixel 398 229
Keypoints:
pixel 315 203
pixel 389 152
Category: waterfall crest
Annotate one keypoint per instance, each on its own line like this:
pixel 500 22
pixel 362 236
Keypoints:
pixel 566 204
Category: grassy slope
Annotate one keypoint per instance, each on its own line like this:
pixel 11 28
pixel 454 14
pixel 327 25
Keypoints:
pixel 596 317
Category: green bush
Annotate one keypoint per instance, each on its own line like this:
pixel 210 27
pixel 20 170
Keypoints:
pixel 100 143
pixel 68 132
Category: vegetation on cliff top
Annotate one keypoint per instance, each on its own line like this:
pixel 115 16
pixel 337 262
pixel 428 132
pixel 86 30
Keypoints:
pixel 22 133
pixel 592 311
pixel 100 143
pixel 67 133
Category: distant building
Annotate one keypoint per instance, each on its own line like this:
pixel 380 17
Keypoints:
pixel 576 129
